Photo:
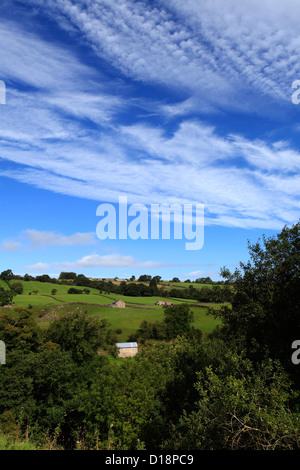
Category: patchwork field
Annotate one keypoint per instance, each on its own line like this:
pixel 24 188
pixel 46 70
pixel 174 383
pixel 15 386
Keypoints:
pixel 46 306
pixel 127 320
pixel 47 287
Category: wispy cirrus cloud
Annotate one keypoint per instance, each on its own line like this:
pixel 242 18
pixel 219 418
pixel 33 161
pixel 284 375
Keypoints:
pixel 217 55
pixel 222 53
pixel 50 85
pixel 236 179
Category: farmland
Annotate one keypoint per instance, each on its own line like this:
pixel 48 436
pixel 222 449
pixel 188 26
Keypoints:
pixel 46 305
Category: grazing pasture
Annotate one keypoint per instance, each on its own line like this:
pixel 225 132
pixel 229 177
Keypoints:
pixel 47 305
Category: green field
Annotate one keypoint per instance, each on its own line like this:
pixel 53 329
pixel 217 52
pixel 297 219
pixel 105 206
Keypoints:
pixel 24 300
pixel 129 319
pixel 46 307
pixel 47 287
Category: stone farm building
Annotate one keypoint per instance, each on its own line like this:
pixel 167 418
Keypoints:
pixel 127 349
pixel 118 304
pixel 164 303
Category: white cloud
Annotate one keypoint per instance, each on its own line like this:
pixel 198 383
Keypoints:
pixel 41 267
pixel 202 273
pixel 195 274
pixel 42 239
pixel 194 165
pixel 253 42
pixel 213 54
pixel 39 239
pixel 108 261
pixel 58 86
pixel 97 261
pixel 215 51
pixel 10 245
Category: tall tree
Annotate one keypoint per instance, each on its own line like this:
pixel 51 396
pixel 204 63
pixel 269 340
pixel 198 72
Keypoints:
pixel 178 319
pixel 6 297
pixel 80 335
pixel 6 275
pixel 265 315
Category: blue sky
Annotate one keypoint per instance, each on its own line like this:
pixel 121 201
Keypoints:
pixel 162 102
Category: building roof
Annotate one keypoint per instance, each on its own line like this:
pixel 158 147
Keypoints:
pixel 127 345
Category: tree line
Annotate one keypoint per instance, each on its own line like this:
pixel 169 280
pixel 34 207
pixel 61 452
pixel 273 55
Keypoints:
pixel 213 293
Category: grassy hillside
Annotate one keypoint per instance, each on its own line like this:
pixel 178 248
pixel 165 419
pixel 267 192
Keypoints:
pixel 47 287
pixel 128 320
pixel 46 307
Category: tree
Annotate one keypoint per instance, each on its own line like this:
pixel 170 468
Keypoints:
pixel 149 330
pixel 55 378
pixel 20 333
pixel 121 401
pixel 82 280
pixel 73 290
pixel 43 278
pixel 6 275
pixel 38 392
pixel 240 407
pixel 80 335
pixel 203 280
pixel 178 319
pixel 16 388
pixel 132 289
pixel 145 278
pixel 6 297
pixel 265 317
pixel 153 286
pixel 17 288
pixel 67 275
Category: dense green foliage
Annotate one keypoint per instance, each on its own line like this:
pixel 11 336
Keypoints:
pixel 235 388
pixel 239 407
pixel 6 297
pixel 265 313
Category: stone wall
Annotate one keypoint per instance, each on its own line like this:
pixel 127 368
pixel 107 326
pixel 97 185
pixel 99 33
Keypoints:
pixel 128 352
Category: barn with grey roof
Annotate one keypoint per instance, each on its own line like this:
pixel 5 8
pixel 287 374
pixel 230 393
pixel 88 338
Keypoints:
pixel 127 349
